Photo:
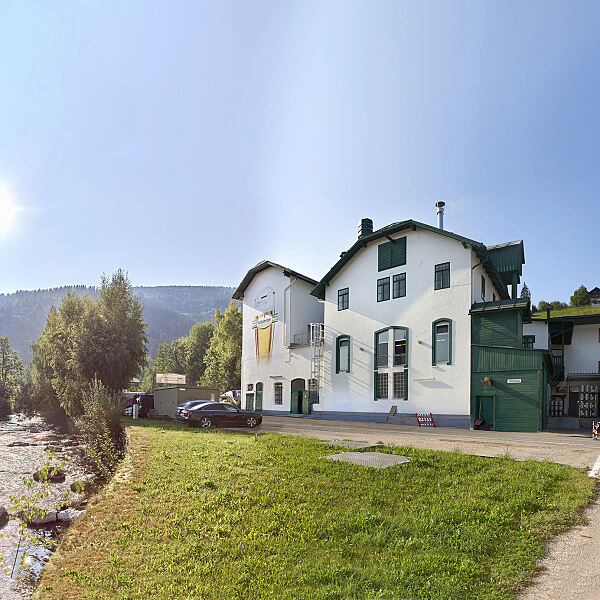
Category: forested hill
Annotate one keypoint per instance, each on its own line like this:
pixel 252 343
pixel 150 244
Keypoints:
pixel 169 310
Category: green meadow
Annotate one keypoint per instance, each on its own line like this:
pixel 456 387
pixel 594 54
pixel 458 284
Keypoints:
pixel 196 514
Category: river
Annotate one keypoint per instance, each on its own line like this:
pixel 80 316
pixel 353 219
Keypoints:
pixel 18 462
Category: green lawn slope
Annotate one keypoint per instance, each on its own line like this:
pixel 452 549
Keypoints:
pixel 593 309
pixel 196 514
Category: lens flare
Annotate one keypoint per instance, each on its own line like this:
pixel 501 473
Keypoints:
pixel 8 212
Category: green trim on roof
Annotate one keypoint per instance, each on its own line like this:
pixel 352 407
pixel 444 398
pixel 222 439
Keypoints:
pixel 480 250
pixel 522 304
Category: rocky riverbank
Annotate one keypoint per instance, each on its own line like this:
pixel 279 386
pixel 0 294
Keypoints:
pixel 24 447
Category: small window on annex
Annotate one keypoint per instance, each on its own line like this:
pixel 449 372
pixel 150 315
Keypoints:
pixel 383 289
pixel 342 354
pixel 399 282
pixel 528 341
pixel 278 392
pixel 483 288
pixel 442 341
pixel 442 276
pixel 343 297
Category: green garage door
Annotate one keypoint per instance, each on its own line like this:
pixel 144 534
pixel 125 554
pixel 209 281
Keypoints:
pixel 519 401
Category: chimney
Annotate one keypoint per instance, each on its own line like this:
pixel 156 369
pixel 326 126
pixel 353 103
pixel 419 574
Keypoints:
pixel 365 227
pixel 440 214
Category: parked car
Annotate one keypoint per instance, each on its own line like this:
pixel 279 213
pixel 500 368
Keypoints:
pixel 128 412
pixel 188 405
pixel 219 414
pixel 146 402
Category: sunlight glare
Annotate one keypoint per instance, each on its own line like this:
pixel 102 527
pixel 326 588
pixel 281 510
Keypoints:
pixel 8 212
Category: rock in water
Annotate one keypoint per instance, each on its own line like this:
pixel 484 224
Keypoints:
pixel 69 515
pixel 38 517
pixel 3 516
pixel 54 448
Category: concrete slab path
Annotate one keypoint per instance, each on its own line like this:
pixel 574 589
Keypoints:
pixel 574 449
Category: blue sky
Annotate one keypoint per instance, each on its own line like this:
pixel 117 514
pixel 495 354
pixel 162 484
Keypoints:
pixel 186 141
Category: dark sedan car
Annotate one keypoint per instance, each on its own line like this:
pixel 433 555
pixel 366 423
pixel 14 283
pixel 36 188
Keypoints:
pixel 187 406
pixel 219 414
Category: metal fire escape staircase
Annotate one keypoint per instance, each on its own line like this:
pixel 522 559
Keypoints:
pixel 317 334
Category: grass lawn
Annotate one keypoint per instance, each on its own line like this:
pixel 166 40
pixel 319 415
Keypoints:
pixel 593 309
pixel 217 515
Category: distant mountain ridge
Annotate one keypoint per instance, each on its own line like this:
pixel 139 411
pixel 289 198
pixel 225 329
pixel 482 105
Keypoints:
pixel 169 311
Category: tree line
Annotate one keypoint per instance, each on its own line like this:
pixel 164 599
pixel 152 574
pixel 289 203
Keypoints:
pixel 211 355
pixel 93 346
pixel 580 297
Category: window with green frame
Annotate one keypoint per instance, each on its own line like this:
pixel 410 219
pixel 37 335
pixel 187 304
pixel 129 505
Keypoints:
pixel 342 354
pixel 399 285
pixel 441 341
pixel 383 289
pixel 442 276
pixel 391 361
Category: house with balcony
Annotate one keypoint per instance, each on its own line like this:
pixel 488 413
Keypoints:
pixel 411 319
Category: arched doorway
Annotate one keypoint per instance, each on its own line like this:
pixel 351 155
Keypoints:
pixel 298 388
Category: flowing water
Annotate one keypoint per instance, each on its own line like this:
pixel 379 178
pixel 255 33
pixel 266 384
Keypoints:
pixel 23 445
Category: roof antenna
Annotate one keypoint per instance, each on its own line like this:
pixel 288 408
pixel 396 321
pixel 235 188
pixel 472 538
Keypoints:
pixel 440 214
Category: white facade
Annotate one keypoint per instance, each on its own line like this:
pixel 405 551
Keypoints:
pixel 443 389
pixel 287 301
pixel 583 354
pixel 540 330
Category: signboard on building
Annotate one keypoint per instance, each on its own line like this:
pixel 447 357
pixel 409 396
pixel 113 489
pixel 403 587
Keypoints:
pixel 170 379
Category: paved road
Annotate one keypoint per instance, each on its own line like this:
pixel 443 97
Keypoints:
pixel 574 449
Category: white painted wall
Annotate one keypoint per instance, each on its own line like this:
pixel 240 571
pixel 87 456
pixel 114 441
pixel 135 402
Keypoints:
pixel 442 389
pixel 583 354
pixel 490 289
pixel 540 330
pixel 285 364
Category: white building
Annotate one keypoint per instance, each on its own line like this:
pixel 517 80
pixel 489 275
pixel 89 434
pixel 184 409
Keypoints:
pixel 574 342
pixel 416 319
pixel 278 309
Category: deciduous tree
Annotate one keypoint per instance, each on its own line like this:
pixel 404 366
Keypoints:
pixel 11 376
pixel 224 356
pixel 581 297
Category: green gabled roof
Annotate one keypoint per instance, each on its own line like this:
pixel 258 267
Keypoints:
pixel 261 266
pixel 522 304
pixel 480 250
pixel 508 258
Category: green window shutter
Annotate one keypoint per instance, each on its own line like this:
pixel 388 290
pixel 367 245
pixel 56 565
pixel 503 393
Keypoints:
pixel 398 252
pixel 391 254
pixel 384 256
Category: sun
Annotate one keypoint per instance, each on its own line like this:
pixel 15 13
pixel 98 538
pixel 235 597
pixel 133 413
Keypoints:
pixel 8 212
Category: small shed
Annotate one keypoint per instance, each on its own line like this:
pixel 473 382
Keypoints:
pixel 168 397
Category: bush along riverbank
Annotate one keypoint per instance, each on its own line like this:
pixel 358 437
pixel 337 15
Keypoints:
pixel 217 514
pixel 50 485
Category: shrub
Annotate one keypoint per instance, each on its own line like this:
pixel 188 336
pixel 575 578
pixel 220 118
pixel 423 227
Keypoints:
pixel 100 429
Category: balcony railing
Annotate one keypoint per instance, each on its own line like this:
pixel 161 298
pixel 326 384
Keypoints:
pixel 559 362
